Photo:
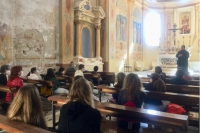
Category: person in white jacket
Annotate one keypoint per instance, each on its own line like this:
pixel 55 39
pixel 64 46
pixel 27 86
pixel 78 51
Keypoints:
pixel 80 70
pixel 32 74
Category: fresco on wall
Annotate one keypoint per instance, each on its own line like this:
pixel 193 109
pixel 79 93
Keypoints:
pixel 185 22
pixel 121 4
pixel 32 25
pixel 121 27
pixel 5 43
pixel 136 32
pixel 137 14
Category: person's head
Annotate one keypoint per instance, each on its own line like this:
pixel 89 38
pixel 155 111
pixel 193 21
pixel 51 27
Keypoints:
pixel 183 47
pixel 157 82
pixel 120 79
pixel 81 91
pixel 15 72
pixel 77 77
pixel 96 68
pixel 61 70
pixel 71 63
pixel 132 86
pixel 50 73
pixel 81 67
pixel 158 69
pixel 26 107
pixel 5 69
pixel 180 74
pixel 33 70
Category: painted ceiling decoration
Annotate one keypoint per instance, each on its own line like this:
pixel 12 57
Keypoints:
pixel 165 0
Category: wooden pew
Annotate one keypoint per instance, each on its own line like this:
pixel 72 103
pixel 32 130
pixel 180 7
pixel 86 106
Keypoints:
pixel 144 115
pixel 190 82
pixel 7 89
pixel 184 89
pixel 182 99
pixel 110 76
pixel 19 127
pixel 167 81
pixel 42 82
pixel 171 76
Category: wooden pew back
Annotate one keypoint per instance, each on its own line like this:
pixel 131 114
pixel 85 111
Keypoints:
pixel 146 116
pixel 43 82
pixel 19 127
pixel 184 89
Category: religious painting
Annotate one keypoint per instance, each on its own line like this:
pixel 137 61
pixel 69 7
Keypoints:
pixel 185 22
pixel 185 18
pixel 68 5
pixel 136 32
pixel 121 25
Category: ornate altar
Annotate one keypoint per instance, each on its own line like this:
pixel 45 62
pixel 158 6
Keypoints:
pixel 87 34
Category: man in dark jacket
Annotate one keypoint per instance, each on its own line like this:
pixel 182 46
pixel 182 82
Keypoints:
pixel 183 56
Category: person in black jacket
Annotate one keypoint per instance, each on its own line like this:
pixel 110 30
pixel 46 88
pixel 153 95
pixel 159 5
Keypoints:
pixel 178 80
pixel 79 115
pixel 183 56
pixel 5 71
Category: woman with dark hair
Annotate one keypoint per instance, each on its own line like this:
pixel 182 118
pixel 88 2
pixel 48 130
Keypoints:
pixel 178 80
pixel 51 77
pixel 158 70
pixel 120 81
pixel 60 72
pixel 156 84
pixel 32 74
pixel 132 96
pixel 14 79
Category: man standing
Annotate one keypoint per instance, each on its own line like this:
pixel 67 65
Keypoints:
pixel 183 56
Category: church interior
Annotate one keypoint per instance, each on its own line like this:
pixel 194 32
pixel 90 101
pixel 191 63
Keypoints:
pixel 118 36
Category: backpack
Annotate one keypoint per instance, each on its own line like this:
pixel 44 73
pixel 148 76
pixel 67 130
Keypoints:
pixel 130 103
pixel 175 109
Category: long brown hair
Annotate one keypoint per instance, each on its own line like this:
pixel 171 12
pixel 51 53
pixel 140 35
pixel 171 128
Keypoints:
pixel 15 72
pixel 158 83
pixel 132 86
pixel 81 91
pixel 26 107
pixel 120 79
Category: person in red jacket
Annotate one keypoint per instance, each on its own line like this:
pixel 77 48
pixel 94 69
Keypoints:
pixel 14 80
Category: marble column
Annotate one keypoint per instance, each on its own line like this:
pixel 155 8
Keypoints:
pixel 78 38
pixel 98 41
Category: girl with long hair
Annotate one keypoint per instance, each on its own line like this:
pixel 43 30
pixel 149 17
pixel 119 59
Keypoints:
pixel 156 84
pixel 79 115
pixel 26 107
pixel 132 96
pixel 120 81
pixel 14 79
pixel 50 76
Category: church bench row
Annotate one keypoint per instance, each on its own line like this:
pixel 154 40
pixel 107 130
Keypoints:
pixel 167 81
pixel 171 76
pixel 182 99
pixel 184 89
pixel 19 127
pixel 143 115
pixel 110 76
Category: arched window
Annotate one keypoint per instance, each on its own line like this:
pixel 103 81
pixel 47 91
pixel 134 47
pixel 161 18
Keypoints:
pixel 152 29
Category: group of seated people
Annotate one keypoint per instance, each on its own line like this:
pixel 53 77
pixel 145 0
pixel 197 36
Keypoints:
pixel 79 114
